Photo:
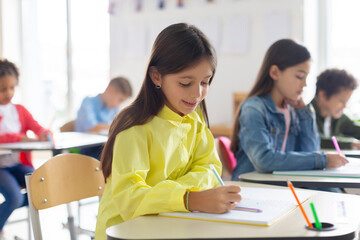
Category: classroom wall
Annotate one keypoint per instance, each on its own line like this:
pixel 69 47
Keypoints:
pixel 241 31
pixel 1 32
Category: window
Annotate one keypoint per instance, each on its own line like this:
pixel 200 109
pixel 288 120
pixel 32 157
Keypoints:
pixel 343 47
pixel 35 36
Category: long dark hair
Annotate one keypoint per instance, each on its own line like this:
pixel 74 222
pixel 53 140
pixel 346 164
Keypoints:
pixel 176 48
pixel 283 53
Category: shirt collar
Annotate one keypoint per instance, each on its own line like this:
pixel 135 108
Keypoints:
pixel 269 102
pixel 176 119
pixel 317 110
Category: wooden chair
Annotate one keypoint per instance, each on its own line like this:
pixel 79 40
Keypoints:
pixel 238 99
pixel 68 127
pixel 62 179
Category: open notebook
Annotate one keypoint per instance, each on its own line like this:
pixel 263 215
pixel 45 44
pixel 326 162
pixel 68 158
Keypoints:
pixel 350 170
pixel 273 203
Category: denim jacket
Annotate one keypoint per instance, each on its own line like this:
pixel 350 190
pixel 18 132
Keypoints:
pixel 261 135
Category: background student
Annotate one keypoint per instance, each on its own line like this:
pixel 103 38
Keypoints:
pixel 159 149
pixel 96 113
pixel 15 121
pixel 274 130
pixel 334 88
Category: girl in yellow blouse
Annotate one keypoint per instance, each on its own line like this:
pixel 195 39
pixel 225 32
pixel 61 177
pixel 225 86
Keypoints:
pixel 159 149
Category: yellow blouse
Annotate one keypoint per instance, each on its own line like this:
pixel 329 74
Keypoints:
pixel 153 166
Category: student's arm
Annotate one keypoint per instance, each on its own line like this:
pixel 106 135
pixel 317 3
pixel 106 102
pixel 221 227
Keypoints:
pixel 214 200
pixel 99 127
pixel 256 142
pixel 11 137
pixel 345 130
pixel 205 154
pixel 29 123
pixel 348 127
pixel 86 117
pixel 308 139
pixel 136 188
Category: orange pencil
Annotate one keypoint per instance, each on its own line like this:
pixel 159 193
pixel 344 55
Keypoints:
pixel 301 208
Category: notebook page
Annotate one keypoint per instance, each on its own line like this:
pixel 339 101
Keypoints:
pixel 273 203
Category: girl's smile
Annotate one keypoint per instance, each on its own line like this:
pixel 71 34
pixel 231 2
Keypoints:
pixel 192 105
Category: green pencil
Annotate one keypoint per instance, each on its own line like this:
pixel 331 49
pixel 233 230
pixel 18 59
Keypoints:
pixel 317 222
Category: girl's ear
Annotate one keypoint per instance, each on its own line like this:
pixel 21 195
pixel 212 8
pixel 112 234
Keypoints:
pixel 155 76
pixel 274 72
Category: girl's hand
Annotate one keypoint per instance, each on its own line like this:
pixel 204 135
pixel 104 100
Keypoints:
pixel 216 200
pixel 43 136
pixel 355 144
pixel 335 160
pixel 298 104
pixel 25 138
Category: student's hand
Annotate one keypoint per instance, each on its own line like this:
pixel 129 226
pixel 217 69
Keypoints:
pixel 298 104
pixel 101 127
pixel 216 200
pixel 355 145
pixel 43 136
pixel 25 138
pixel 334 160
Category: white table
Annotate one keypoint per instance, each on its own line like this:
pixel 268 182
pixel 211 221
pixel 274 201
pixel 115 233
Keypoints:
pixel 63 141
pixel 343 210
pixel 301 181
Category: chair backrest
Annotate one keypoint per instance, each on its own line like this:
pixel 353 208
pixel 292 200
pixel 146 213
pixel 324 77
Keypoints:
pixel 239 98
pixel 225 153
pixel 62 179
pixel 68 127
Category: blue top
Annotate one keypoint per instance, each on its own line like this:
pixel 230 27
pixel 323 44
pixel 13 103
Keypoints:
pixel 262 130
pixel 92 112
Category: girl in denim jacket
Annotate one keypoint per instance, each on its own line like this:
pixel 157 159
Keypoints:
pixel 274 130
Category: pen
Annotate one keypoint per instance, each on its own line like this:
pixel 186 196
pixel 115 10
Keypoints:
pixel 336 145
pixel 297 200
pixel 223 184
pixel 217 175
pixel 51 140
pixel 318 224
pixel 246 209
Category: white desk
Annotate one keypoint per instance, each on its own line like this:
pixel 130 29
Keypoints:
pixel 347 153
pixel 301 181
pixel 63 141
pixel 4 152
pixel 343 210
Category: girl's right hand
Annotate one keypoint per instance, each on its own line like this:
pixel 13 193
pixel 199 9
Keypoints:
pixel 335 160
pixel 355 144
pixel 216 200
pixel 25 138
pixel 298 104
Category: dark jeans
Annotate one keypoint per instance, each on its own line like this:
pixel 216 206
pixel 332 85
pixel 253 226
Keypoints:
pixel 94 152
pixel 11 181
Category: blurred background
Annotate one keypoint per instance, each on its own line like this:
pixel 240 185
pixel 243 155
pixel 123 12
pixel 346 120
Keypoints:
pixel 69 49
